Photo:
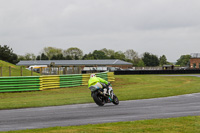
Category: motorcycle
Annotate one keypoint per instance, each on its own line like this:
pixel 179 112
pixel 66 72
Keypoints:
pixel 101 96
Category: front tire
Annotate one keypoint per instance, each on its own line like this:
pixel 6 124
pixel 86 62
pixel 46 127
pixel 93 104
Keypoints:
pixel 98 99
pixel 115 100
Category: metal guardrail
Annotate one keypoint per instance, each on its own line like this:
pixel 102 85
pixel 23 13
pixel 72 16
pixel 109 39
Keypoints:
pixel 35 83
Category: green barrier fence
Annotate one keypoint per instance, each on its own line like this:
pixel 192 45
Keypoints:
pixel 71 80
pixel 35 83
pixel 102 75
pixel 11 84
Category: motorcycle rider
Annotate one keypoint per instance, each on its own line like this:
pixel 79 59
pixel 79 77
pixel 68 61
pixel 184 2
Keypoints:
pixel 98 83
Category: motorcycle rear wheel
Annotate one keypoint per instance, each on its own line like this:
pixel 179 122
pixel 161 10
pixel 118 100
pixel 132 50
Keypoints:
pixel 98 99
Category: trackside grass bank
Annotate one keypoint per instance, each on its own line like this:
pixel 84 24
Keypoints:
pixel 190 124
pixel 126 87
pixel 15 70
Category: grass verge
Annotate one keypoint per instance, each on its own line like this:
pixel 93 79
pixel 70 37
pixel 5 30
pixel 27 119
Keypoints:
pixel 190 124
pixel 126 87
pixel 15 70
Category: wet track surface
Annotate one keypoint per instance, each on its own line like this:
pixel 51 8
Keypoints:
pixel 79 114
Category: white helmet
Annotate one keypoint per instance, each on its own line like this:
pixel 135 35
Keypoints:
pixel 92 75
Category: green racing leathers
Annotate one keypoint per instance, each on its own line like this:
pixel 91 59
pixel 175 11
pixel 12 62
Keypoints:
pixel 94 80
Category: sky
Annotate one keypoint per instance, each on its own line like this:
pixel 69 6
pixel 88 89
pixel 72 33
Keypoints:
pixel 160 27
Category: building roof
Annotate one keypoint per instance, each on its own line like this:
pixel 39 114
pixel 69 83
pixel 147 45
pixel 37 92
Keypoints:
pixel 195 55
pixel 73 62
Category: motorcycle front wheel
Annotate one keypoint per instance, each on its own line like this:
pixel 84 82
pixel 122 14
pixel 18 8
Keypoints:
pixel 115 100
pixel 98 99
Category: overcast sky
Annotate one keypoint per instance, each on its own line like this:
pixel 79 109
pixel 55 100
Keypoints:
pixel 161 27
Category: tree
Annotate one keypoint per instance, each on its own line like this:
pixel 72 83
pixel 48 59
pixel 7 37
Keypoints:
pixel 108 52
pixel 118 55
pixel 140 63
pixel 44 57
pixel 29 56
pixel 21 57
pixel 97 54
pixel 60 57
pixel 68 57
pixel 51 51
pixel 89 56
pixel 38 57
pixel 150 59
pixel 132 55
pixel 74 52
pixel 6 54
pixel 57 57
pixel 183 60
pixel 163 60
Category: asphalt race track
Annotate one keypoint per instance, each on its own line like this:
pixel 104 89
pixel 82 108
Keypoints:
pixel 30 118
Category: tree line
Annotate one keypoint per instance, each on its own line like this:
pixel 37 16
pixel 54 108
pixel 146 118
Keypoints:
pixel 74 53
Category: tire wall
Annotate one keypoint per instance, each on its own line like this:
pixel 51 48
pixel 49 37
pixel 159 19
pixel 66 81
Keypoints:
pixel 124 72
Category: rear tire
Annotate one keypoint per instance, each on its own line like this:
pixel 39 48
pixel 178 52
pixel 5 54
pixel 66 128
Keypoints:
pixel 115 100
pixel 99 99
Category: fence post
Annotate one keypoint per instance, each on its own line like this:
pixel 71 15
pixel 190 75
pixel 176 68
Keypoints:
pixel 31 71
pixel 1 70
pixel 58 70
pixel 72 69
pixel 9 71
pixel 79 69
pixel 66 70
pixel 50 70
pixel 41 70
pixel 21 71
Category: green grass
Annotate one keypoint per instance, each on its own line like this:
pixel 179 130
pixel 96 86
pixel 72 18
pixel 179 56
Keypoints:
pixel 190 124
pixel 127 87
pixel 153 86
pixel 15 70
